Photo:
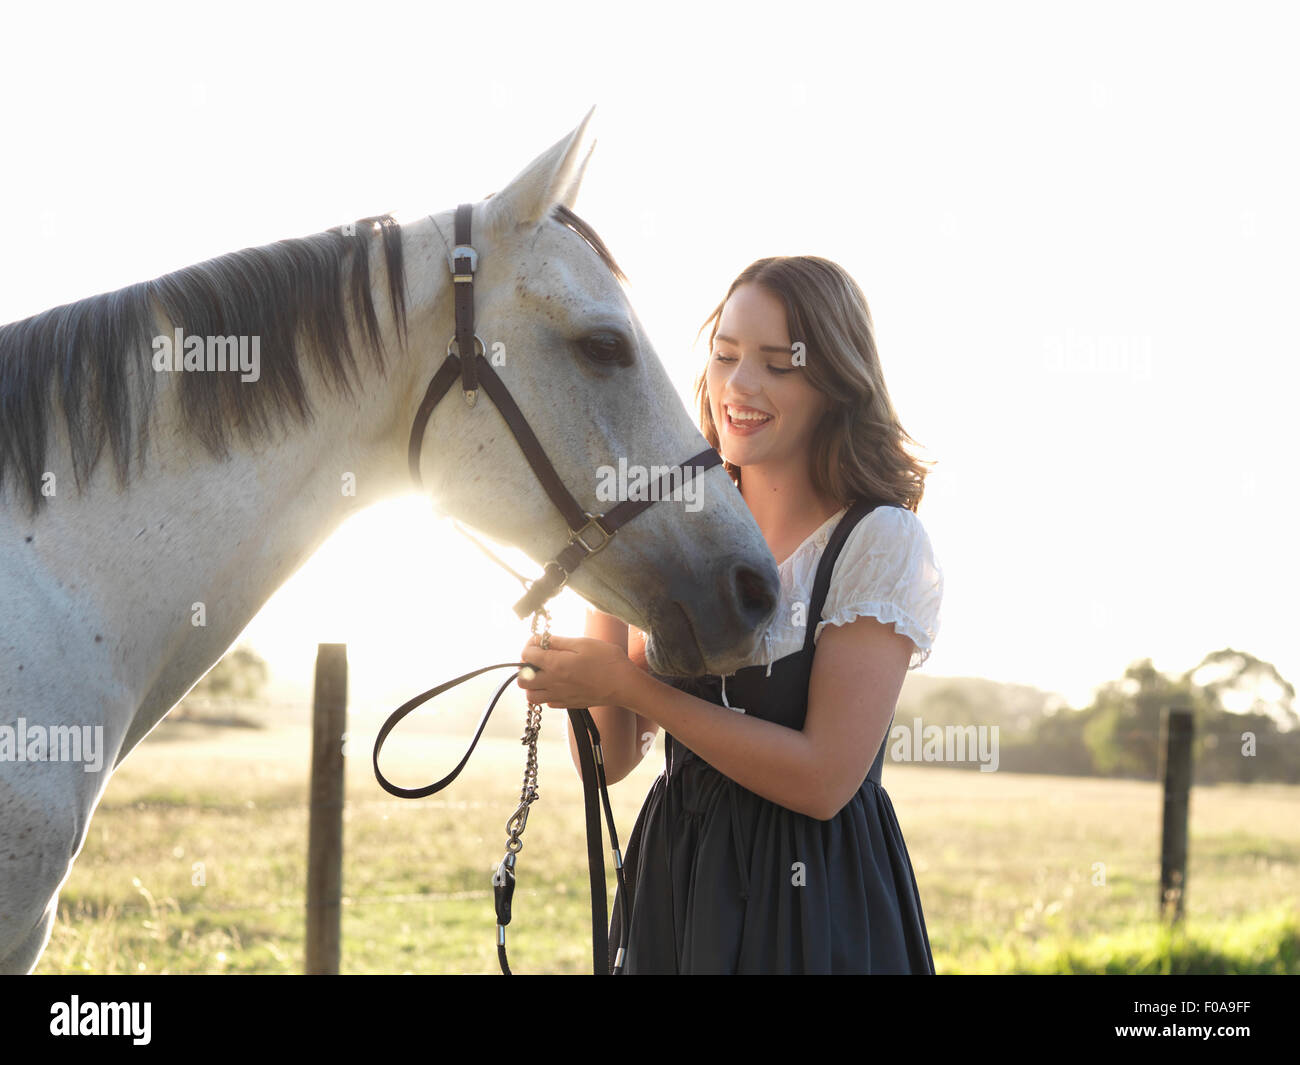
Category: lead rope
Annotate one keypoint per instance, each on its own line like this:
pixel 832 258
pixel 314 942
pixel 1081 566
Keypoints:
pixel 592 762
pixel 503 880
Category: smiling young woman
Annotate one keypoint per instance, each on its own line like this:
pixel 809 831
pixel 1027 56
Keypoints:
pixel 768 843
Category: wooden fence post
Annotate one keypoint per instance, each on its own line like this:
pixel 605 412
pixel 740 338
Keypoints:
pixel 1175 771
pixel 325 834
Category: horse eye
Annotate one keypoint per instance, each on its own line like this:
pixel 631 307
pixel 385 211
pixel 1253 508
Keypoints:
pixel 605 348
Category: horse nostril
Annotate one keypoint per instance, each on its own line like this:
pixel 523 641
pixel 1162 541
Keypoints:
pixel 755 594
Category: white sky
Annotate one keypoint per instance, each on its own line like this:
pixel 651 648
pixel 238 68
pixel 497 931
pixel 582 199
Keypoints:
pixel 1013 185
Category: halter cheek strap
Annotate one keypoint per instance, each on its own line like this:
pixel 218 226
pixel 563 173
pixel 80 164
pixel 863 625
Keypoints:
pixel 588 533
pixel 464 261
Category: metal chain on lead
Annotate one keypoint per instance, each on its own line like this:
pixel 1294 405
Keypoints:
pixel 503 879
pixel 528 793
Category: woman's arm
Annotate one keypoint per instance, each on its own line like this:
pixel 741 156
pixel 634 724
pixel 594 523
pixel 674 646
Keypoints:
pixel 857 675
pixel 625 736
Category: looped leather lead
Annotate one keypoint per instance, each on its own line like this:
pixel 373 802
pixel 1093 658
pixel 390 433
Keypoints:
pixel 420 700
pixel 595 792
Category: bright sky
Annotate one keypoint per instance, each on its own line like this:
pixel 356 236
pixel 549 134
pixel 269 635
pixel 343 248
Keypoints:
pixel 1075 225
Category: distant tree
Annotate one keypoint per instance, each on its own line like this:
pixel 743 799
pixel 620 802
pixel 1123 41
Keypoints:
pixel 1122 725
pixel 951 705
pixel 1254 732
pixel 1246 725
pixel 1055 744
pixel 1230 674
pixel 1122 732
pixel 240 675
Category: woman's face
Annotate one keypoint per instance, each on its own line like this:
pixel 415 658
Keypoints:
pixel 752 369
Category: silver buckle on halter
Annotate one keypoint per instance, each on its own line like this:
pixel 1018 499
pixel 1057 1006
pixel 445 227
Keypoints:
pixel 576 537
pixel 463 251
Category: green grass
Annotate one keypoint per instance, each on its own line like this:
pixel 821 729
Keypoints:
pixel 1017 873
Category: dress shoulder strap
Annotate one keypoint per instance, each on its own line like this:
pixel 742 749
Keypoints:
pixel 822 582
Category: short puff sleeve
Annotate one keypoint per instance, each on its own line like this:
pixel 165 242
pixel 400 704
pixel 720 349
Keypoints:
pixel 887 570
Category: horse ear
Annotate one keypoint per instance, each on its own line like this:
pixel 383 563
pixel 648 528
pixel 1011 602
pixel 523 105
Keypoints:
pixel 554 177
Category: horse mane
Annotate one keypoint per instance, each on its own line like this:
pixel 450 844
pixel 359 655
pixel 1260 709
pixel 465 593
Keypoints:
pixel 584 230
pixel 283 293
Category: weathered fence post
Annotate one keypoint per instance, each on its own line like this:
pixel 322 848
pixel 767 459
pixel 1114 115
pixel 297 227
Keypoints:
pixel 325 834
pixel 1175 771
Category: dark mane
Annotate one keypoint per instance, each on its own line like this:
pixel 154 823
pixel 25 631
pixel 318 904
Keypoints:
pixel 588 234
pixel 284 293
pixel 77 358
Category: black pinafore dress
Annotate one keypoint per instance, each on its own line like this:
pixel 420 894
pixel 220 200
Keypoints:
pixel 721 880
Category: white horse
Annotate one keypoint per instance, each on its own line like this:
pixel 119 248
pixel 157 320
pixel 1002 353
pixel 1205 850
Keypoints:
pixel 120 593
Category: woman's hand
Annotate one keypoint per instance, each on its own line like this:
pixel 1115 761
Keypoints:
pixel 575 672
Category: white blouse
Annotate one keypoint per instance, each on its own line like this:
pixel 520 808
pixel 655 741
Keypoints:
pixel 885 570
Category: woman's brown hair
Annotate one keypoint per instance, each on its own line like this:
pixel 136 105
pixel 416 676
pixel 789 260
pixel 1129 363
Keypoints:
pixel 858 448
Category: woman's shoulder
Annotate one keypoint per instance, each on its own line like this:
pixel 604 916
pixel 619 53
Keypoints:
pixel 887 568
pixel 888 540
pixel 889 521
pixel 882 531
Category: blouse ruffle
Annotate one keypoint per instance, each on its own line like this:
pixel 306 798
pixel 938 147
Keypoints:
pixel 886 570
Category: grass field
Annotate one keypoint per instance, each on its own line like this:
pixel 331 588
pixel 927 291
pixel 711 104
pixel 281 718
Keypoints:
pixel 196 863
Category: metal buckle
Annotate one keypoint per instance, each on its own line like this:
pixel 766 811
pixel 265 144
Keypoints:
pixel 564 577
pixel 576 536
pixel 463 251
pixel 479 349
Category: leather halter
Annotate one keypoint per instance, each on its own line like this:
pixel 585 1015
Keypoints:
pixel 474 371
pixel 583 527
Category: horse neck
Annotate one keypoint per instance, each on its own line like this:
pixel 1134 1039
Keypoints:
pixel 168 571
